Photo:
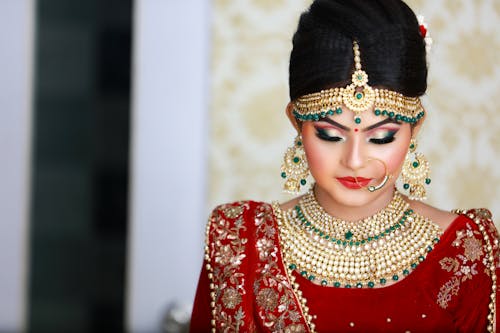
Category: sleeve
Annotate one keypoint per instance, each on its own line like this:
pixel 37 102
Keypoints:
pixel 477 304
pixel 201 315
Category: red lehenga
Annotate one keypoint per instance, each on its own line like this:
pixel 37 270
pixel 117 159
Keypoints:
pixel 244 286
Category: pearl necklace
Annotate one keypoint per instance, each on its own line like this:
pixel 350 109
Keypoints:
pixel 387 245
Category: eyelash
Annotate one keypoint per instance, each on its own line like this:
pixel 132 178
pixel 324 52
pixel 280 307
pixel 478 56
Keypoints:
pixel 388 139
pixel 321 134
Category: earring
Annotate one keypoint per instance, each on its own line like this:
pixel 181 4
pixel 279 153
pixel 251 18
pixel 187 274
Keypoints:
pixel 295 168
pixel 415 173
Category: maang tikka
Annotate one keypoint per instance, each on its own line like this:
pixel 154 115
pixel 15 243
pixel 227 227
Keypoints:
pixel 295 168
pixel 415 173
pixel 358 97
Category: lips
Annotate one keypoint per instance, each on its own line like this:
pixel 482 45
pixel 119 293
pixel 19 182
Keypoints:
pixel 354 182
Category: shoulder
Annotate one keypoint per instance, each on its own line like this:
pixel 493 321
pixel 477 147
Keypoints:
pixel 440 217
pixel 236 209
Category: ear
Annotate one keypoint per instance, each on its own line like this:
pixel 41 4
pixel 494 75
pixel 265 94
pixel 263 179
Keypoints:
pixel 415 129
pixel 291 117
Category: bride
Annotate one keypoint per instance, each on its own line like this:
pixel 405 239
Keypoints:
pixel 353 254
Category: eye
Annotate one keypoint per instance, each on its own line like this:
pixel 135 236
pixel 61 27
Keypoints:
pixel 328 135
pixel 383 137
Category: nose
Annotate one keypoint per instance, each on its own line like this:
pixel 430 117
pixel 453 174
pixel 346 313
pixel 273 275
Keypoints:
pixel 354 158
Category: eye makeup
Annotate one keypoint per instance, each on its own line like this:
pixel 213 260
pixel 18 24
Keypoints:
pixel 383 136
pixel 328 134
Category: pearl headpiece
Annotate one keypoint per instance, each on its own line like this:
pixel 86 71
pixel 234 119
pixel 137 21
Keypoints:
pixel 358 97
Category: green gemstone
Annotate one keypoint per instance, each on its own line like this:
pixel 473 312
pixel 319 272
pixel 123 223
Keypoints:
pixel 357 120
pixel 395 277
pixel 412 146
pixel 429 248
pixel 415 164
pixel 360 77
pixel 371 284
pixel 283 175
pixel 428 181
pixel 398 117
pixel 348 286
pixel 357 243
pixel 292 266
pixel 327 237
pixel 359 96
pixel 348 235
pixel 311 277
pixel 303 273
pixel 391 114
pixel 421 258
pixel 324 283
pixel 385 113
pixel 296 160
pixel 383 281
pixel 339 111
pixel 406 186
pixel 336 284
pixel 330 112
pixel 299 143
pixel 406 272
pixel 413 265
pixel 359 285
pixel 303 182
pixel 377 112
pixel 308 223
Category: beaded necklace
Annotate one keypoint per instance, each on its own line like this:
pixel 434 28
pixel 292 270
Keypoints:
pixel 387 245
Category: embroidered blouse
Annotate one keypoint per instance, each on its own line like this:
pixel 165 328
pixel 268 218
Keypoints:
pixel 245 287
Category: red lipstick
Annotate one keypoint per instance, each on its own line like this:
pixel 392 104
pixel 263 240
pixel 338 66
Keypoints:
pixel 354 182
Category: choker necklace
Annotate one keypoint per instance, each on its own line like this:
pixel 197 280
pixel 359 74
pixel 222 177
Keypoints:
pixel 333 252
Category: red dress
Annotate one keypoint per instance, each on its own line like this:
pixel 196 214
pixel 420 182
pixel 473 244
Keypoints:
pixel 244 286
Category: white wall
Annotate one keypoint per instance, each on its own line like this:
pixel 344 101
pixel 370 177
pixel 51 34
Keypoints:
pixel 16 42
pixel 169 132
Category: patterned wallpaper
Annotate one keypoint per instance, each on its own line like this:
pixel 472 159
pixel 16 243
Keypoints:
pixel 250 132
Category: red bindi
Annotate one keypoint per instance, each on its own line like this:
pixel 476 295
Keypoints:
pixel 355 130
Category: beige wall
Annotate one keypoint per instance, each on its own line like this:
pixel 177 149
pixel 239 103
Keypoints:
pixel 249 132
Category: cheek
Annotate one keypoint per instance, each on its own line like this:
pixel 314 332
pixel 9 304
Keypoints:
pixel 396 156
pixel 319 155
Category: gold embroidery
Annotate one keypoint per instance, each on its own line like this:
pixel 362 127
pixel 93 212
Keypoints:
pixel 277 306
pixel 473 249
pixel 447 290
pixel 231 298
pixel 225 251
pixel 268 299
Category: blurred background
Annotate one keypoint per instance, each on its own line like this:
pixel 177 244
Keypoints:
pixel 123 122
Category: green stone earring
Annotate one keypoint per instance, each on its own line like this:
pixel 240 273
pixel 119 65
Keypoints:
pixel 295 168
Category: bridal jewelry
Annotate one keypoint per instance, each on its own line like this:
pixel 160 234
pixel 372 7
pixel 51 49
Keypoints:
pixel 333 252
pixel 415 173
pixel 295 168
pixel 358 97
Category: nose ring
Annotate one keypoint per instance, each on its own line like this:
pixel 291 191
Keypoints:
pixel 373 188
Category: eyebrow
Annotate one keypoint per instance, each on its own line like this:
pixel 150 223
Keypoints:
pixel 345 128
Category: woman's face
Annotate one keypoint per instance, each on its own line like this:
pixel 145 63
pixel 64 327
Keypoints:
pixel 338 150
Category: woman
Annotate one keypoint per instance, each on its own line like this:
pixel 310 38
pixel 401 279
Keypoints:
pixel 353 254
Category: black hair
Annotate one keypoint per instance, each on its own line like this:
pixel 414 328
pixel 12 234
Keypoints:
pixel 387 31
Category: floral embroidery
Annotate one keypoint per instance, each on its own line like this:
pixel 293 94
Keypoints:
pixel 276 302
pixel 268 299
pixel 226 247
pixel 463 266
pixel 449 289
pixel 231 298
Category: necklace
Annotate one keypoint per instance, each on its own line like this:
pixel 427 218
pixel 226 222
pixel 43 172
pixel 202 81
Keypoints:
pixel 386 246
